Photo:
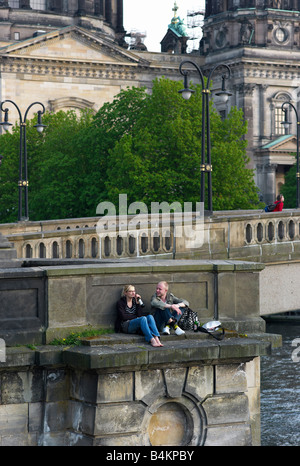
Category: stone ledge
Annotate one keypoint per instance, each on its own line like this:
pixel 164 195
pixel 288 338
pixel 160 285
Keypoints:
pixel 142 265
pixel 179 351
pixel 122 350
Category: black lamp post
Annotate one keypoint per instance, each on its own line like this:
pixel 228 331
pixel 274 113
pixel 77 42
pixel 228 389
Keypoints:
pixel 23 172
pixel 186 93
pixel 286 123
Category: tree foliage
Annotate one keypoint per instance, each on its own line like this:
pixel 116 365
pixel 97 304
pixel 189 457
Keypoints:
pixel 62 170
pixel 145 145
pixel 289 189
pixel 160 159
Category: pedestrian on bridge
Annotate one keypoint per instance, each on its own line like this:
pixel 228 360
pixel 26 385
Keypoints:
pixel 277 206
pixel 279 203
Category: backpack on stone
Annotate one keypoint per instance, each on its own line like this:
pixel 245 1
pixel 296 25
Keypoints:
pixel 270 207
pixel 188 319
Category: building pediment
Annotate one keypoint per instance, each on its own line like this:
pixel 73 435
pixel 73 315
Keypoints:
pixel 286 143
pixel 72 44
pixel 280 151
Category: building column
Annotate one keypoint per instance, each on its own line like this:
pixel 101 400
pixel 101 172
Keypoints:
pixel 108 12
pixel 262 107
pixel 270 183
pixel 245 101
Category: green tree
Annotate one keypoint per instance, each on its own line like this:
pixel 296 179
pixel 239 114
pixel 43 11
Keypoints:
pixel 159 160
pixel 67 169
pixel 145 145
pixel 9 176
pixel 62 170
pixel 233 183
pixel 289 189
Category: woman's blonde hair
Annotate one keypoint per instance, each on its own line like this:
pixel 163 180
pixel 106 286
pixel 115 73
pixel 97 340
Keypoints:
pixel 127 288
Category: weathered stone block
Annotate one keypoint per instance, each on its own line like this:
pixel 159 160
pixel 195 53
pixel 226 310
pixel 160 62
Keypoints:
pixel 21 440
pixel 22 386
pixel 13 419
pixel 231 378
pixel 56 416
pixel 149 385
pixel 58 385
pixel 247 294
pixel 200 381
pixel 66 301
pixel 22 293
pixel 224 409
pixel 118 418
pixel 133 440
pixel 84 386
pixel 174 379
pixel 115 387
pixel 82 417
pixel 235 435
pixel 35 417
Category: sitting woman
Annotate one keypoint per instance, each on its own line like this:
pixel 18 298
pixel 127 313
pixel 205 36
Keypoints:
pixel 130 318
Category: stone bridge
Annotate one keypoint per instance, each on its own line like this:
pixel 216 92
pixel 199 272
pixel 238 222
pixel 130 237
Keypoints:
pixel 272 239
pixel 62 277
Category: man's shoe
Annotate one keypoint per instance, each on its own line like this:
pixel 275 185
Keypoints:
pixel 166 330
pixel 179 331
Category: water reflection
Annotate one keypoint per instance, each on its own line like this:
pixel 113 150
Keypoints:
pixel 280 390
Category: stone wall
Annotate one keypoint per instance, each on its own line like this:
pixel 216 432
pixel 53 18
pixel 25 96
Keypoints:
pixel 41 303
pixel 226 290
pixel 190 392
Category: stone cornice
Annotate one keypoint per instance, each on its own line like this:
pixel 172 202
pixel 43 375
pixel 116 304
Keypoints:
pixel 51 67
pixel 245 68
pixel 80 68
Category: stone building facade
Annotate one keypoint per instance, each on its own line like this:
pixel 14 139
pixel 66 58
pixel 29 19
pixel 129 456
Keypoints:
pixel 71 57
pixel 260 41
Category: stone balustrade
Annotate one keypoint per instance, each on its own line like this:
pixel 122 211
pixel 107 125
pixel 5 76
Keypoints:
pixel 248 235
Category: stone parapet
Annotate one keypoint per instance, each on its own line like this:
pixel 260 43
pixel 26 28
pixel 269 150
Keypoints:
pixel 41 303
pixel 244 235
pixel 226 290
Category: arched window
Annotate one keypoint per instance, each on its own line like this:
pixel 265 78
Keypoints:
pixel 278 114
pixel 42 251
pixel 144 242
pixel 107 246
pixel 81 249
pixel 119 245
pixel 55 250
pixel 156 241
pixel 28 251
pixel 131 244
pixel 68 249
pixel 94 250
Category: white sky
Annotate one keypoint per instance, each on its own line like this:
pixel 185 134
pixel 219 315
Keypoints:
pixel 154 16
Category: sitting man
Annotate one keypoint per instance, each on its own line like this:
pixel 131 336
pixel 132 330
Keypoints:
pixel 167 309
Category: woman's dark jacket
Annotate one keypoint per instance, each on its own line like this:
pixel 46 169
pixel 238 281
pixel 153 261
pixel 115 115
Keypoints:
pixel 123 316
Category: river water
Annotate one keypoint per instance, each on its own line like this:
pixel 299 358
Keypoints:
pixel 280 388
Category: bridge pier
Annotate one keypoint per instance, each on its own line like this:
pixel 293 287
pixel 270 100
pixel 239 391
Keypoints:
pixel 122 392
pixel 117 390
